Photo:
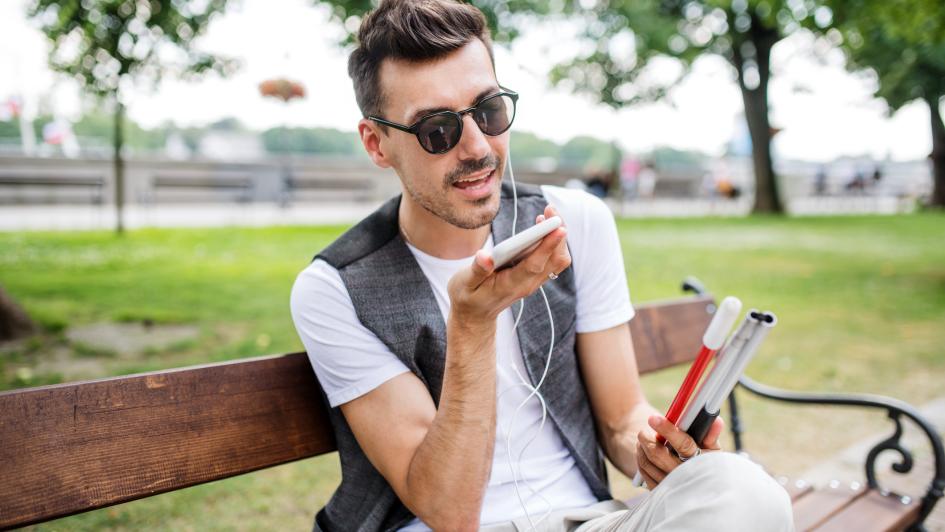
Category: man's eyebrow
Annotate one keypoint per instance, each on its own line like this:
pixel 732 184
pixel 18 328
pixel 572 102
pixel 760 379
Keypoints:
pixel 416 115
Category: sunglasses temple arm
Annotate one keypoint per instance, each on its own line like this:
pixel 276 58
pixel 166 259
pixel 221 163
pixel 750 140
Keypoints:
pixel 390 124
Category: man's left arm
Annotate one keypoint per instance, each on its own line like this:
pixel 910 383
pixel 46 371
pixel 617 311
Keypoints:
pixel 609 368
pixel 622 412
pixel 604 347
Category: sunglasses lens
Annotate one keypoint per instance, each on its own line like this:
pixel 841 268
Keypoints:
pixel 438 133
pixel 494 115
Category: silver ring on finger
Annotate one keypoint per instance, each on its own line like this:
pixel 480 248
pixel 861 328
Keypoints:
pixel 684 458
pixel 553 276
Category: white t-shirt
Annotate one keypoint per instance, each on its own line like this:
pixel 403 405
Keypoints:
pixel 350 361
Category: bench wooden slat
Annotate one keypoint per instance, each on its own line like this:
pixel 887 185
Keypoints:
pixel 670 332
pixel 330 184
pixel 875 512
pixel 43 181
pixel 795 488
pixel 814 508
pixel 77 447
pixel 201 182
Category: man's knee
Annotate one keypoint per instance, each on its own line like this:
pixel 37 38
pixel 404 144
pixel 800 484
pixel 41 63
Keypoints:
pixel 745 490
pixel 727 488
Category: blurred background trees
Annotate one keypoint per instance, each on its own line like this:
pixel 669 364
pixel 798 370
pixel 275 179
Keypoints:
pixel 621 40
pixel 903 43
pixel 106 45
pixel 618 52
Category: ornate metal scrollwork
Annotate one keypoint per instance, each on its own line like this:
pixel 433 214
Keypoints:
pixel 896 409
pixel 889 444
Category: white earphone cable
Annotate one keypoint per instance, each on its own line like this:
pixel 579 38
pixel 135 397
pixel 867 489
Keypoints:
pixel 515 465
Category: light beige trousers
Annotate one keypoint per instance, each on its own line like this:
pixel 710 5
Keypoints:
pixel 711 492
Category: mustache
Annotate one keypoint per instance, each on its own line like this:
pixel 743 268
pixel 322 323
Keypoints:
pixel 467 168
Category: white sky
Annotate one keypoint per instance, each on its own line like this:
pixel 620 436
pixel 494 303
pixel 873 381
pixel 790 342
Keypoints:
pixel 824 111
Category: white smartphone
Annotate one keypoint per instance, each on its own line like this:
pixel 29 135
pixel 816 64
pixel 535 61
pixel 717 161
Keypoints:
pixel 510 251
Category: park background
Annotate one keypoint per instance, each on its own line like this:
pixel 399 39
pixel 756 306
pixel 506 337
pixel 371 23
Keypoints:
pixel 240 161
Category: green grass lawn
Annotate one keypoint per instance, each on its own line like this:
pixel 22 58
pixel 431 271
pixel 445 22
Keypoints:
pixel 861 304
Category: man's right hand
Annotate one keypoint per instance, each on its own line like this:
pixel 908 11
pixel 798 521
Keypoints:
pixel 479 293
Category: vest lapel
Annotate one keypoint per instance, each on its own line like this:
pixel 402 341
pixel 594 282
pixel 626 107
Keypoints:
pixel 533 330
pixel 423 315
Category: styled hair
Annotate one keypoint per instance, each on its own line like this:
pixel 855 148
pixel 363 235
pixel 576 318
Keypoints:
pixel 410 30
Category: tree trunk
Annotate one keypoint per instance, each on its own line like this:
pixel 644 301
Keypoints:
pixel 119 165
pixel 938 153
pixel 14 323
pixel 755 100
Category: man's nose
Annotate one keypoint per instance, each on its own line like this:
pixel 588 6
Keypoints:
pixel 473 144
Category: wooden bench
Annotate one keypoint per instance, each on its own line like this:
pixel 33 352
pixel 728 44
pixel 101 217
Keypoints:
pixel 94 184
pixel 76 447
pixel 326 188
pixel 239 188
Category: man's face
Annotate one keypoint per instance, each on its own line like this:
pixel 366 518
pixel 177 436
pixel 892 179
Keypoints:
pixel 462 185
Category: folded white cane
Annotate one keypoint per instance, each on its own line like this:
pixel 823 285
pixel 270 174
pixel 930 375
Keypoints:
pixel 706 414
pixel 712 341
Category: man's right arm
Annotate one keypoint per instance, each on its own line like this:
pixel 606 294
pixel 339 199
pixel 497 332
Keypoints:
pixel 438 460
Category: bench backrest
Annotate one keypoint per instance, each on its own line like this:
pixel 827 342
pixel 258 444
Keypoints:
pixel 70 448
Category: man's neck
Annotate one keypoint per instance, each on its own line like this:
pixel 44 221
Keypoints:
pixel 437 237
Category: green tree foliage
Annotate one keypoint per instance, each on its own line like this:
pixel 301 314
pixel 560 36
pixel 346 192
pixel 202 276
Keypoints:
pixel 106 45
pixel 528 147
pixel 623 39
pixel 589 154
pixel 10 129
pixel 229 123
pixel 319 140
pixel 903 43
pixel 96 124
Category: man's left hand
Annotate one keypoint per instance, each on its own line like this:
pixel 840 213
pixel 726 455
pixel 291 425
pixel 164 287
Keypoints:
pixel 655 460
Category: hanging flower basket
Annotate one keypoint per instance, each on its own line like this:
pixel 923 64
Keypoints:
pixel 283 89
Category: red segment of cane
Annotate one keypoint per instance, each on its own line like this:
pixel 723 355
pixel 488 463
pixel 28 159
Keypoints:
pixel 688 387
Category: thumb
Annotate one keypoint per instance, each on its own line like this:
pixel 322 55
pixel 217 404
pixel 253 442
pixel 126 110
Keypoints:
pixel 679 440
pixel 711 440
pixel 482 267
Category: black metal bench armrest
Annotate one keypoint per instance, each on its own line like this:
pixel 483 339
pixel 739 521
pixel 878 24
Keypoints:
pixel 895 409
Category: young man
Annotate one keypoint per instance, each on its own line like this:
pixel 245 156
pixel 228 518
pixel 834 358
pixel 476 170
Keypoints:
pixel 412 333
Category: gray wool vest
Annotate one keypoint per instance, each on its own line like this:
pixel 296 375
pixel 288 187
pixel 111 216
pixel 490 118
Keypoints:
pixel 394 300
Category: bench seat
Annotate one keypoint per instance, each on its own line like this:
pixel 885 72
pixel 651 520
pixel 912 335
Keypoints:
pixel 75 447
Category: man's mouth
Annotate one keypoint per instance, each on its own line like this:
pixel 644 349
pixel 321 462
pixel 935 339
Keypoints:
pixel 476 181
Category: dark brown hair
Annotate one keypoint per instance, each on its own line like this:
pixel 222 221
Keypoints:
pixel 411 30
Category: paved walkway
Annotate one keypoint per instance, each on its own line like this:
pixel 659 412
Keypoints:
pixel 85 217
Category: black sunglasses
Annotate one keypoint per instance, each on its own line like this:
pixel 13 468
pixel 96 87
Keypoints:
pixel 439 132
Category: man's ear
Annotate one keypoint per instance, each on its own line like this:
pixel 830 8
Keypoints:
pixel 371 136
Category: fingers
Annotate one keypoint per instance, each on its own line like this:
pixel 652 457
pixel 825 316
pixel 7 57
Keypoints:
pixel 532 271
pixel 711 440
pixel 655 460
pixel 560 257
pixel 651 474
pixel 657 454
pixel 681 442
pixel 561 254
pixel 481 268
pixel 552 255
pixel 551 212
pixel 481 287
